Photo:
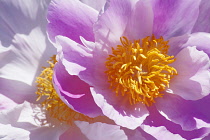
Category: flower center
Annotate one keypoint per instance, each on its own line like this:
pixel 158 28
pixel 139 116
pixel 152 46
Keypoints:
pixel 51 101
pixel 140 69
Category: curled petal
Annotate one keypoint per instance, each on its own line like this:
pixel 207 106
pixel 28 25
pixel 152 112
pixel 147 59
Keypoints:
pixel 76 93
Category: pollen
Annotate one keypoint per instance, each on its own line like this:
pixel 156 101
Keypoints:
pixel 140 69
pixel 54 106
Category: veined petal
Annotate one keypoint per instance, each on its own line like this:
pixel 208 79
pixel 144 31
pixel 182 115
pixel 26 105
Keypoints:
pixel 72 19
pixel 174 18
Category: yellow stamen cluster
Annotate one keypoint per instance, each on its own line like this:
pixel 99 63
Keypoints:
pixel 51 101
pixel 140 69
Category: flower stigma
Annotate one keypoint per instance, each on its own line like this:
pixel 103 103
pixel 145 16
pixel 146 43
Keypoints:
pixel 140 69
pixel 54 106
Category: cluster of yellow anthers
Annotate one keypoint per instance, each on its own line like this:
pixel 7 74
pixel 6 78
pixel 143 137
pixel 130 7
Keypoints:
pixel 140 69
pixel 52 103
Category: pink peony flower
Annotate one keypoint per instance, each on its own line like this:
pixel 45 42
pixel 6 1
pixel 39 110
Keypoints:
pixel 24 50
pixel 135 61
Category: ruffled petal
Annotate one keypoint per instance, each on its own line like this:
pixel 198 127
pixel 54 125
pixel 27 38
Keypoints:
pixel 101 131
pixel 75 91
pixel 202 23
pixel 71 19
pixel 174 18
pixel 23 46
pixel 191 83
pixel 119 109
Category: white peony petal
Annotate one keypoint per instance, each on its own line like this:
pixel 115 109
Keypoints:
pixel 6 103
pixel 9 132
pixel 26 117
pixel 24 47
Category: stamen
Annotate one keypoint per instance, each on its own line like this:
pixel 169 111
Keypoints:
pixel 140 69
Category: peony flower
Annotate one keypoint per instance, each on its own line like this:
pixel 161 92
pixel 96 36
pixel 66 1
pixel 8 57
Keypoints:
pixel 137 62
pixel 24 50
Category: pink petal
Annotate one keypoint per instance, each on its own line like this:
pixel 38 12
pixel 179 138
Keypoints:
pixel 112 22
pixel 192 81
pixel 81 61
pixel 202 23
pixel 178 116
pixel 75 92
pixel 200 40
pixel 141 21
pixel 72 19
pixel 174 18
pixel 118 109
